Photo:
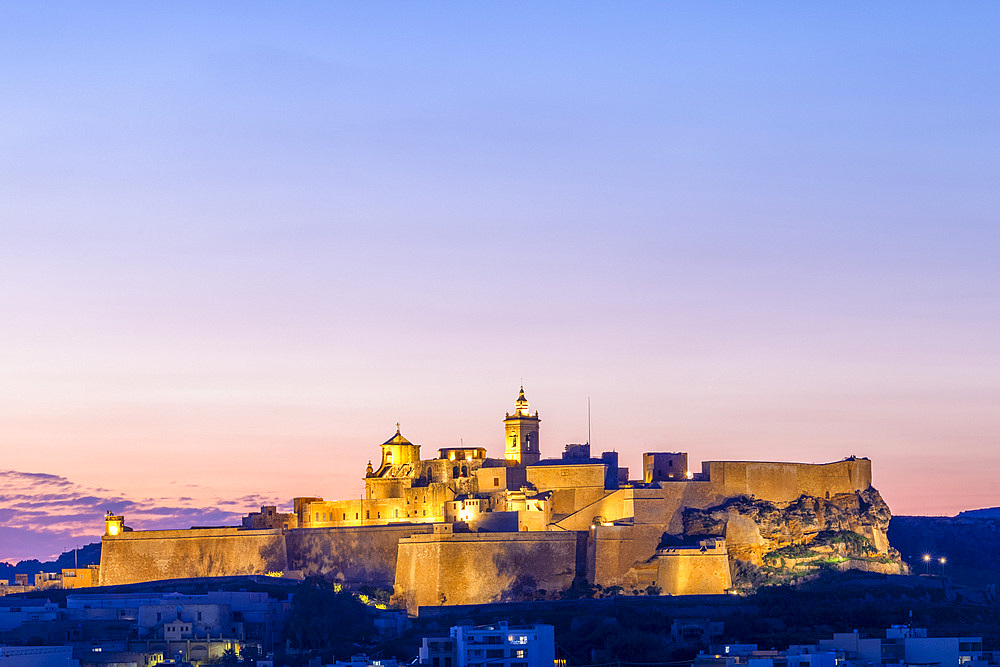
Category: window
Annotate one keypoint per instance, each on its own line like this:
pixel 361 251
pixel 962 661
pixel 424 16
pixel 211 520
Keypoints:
pixel 496 481
pixel 345 516
pixel 159 616
pixel 368 514
pixel 199 615
pixel 494 653
pixel 519 653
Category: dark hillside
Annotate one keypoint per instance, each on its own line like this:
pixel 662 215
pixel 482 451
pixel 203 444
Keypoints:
pixel 970 546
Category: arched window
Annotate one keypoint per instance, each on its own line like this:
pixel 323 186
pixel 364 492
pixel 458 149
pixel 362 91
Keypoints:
pixel 454 471
pixel 465 471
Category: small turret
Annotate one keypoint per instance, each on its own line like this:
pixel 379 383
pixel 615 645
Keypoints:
pixel 114 524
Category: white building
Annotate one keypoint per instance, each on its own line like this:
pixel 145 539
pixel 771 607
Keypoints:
pixel 497 645
pixel 14 613
pixel 903 646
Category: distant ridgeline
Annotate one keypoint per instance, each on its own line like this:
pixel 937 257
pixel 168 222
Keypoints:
pixel 969 544
pixel 82 557
pixel 465 528
pixel 984 513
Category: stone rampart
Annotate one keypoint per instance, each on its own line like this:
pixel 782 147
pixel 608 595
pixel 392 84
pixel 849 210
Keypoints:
pixel 479 568
pixel 693 571
pixel 350 555
pixel 151 555
pixel 785 482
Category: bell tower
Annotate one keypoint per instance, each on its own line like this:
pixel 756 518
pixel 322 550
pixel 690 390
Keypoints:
pixel 521 429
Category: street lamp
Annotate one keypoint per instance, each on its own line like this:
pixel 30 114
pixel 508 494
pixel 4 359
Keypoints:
pixel 942 561
pixel 927 563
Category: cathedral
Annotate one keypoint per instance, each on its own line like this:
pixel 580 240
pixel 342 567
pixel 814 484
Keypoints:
pixel 518 492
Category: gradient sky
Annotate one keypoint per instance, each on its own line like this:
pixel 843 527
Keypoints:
pixel 240 240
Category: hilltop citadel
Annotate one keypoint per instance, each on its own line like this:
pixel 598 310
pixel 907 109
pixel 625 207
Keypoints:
pixel 465 528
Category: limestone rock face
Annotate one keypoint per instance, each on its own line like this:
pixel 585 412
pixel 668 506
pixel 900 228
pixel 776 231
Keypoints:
pixel 755 528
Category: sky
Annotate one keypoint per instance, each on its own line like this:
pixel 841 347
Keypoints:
pixel 239 241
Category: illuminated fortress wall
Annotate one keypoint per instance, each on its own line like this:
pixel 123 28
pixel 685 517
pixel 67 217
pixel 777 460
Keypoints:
pixel 353 556
pixel 149 555
pixel 702 570
pixel 477 568
pixel 784 482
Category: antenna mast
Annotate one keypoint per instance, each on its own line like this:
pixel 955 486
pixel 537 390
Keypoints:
pixel 588 420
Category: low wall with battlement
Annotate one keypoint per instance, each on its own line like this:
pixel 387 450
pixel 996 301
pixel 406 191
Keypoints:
pixel 479 568
pixel 350 555
pixel 785 482
pixel 151 555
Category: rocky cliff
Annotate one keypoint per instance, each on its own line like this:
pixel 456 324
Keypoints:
pixel 778 541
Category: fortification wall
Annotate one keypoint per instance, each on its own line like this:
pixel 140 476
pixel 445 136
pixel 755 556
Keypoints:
pixel 785 482
pixel 478 568
pixel 199 552
pixel 690 572
pixel 352 555
pixel 616 554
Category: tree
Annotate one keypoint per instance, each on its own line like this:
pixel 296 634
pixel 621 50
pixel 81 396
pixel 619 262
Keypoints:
pixel 327 620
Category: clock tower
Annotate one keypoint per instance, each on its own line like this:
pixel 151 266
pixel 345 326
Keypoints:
pixel 521 434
